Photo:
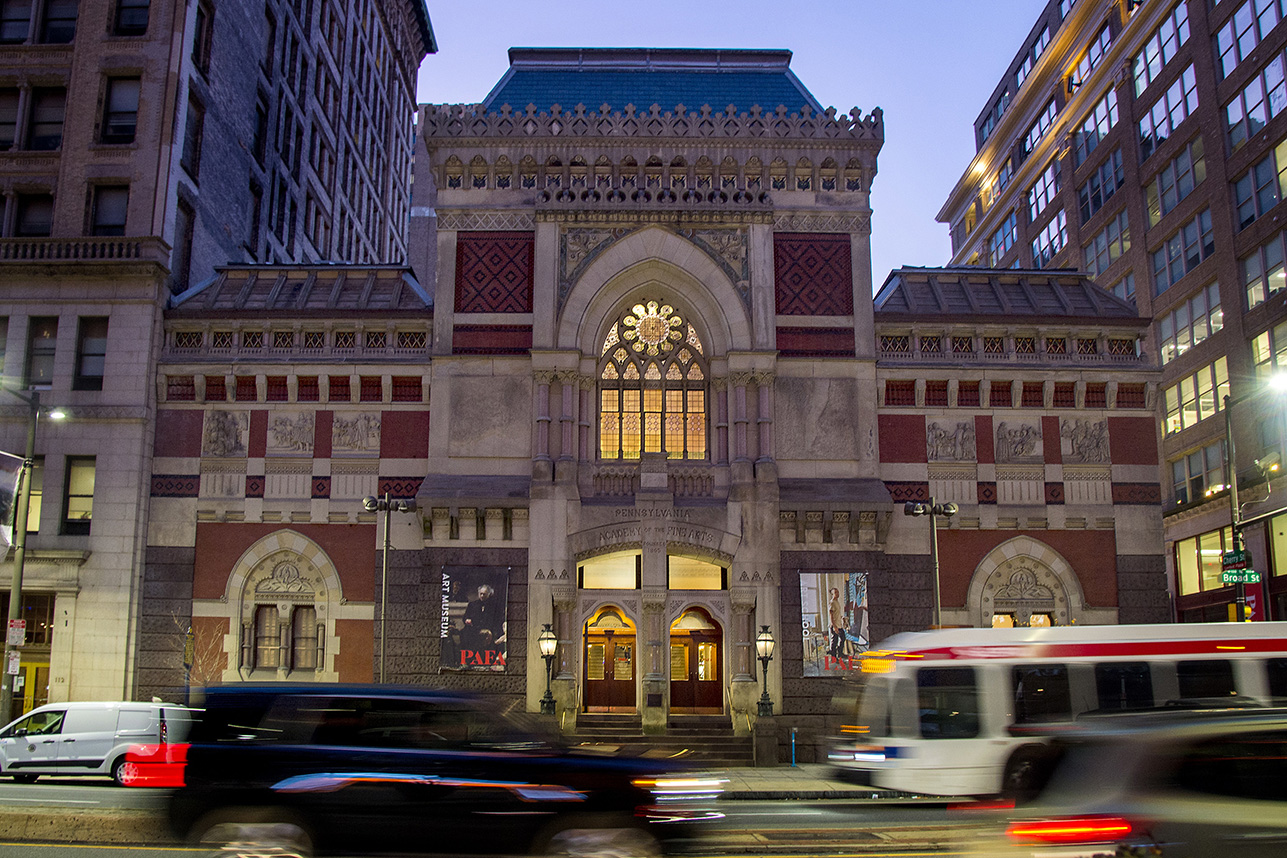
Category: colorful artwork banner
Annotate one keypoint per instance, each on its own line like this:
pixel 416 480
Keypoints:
pixel 473 627
pixel 833 609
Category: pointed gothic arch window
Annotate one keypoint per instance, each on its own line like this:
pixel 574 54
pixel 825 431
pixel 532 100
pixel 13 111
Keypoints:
pixel 652 386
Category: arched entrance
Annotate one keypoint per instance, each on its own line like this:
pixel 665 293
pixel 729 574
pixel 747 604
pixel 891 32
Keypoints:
pixel 696 664
pixel 610 659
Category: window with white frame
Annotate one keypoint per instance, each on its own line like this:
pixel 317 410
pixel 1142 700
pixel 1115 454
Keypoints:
pixel 1263 98
pixel 1176 181
pixel 1198 560
pixel 1171 108
pixel 1039 128
pixel 1196 397
pixel 1161 47
pixel 1096 126
pixel 1262 187
pixel 1050 241
pixel 1248 25
pixel 1100 186
pixel 1193 474
pixel 1191 323
pixel 1040 194
pixel 1034 53
pixel 1106 247
pixel 1003 179
pixel 1262 271
pixel 78 499
pixel 1095 52
pixel 1182 251
pixel 994 117
pixel 1003 239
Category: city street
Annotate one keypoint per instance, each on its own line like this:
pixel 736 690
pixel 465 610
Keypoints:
pixel 67 811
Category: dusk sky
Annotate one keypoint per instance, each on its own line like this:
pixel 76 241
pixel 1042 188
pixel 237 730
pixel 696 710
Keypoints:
pixel 928 65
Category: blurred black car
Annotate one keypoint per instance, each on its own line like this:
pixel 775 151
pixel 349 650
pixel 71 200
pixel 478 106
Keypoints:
pixel 300 769
pixel 1175 784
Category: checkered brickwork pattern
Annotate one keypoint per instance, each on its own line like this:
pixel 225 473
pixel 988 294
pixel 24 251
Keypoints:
pixel 814 275
pixel 494 272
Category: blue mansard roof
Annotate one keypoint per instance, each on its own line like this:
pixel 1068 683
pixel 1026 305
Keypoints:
pixel 647 76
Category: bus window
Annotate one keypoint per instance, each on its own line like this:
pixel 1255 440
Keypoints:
pixel 1202 679
pixel 948 698
pixel 873 706
pixel 1041 693
pixel 1277 670
pixel 1124 685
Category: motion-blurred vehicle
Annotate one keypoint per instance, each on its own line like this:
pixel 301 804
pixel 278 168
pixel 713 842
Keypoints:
pixel 970 712
pixel 378 769
pixel 1177 784
pixel 86 738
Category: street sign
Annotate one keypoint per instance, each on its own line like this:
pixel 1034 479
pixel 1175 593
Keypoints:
pixel 15 663
pixel 17 633
pixel 1235 560
pixel 1239 576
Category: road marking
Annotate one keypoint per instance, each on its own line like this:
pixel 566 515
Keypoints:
pixel 53 802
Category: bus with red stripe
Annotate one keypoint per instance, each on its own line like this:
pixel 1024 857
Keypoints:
pixel 970 712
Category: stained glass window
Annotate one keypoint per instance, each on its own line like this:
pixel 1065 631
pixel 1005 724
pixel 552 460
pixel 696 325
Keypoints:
pixel 652 386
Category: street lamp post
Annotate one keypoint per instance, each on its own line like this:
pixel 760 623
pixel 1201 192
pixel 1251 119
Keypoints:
pixel 548 643
pixel 764 645
pixel 386 506
pixel 934 511
pixel 21 512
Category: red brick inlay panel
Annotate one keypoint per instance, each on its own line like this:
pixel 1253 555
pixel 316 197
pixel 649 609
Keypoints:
pixel 494 272
pixel 816 342
pixel 814 274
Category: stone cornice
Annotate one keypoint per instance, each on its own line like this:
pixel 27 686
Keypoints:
pixel 470 122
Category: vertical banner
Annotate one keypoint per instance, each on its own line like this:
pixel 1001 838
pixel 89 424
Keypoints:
pixel 833 608
pixel 10 472
pixel 473 625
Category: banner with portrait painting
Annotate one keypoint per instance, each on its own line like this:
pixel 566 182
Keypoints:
pixel 833 608
pixel 473 627
pixel 10 474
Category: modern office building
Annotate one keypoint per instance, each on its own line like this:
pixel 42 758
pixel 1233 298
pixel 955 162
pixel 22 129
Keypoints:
pixel 142 144
pixel 638 389
pixel 1145 144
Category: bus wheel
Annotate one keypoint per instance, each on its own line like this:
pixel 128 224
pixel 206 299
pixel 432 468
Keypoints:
pixel 1024 774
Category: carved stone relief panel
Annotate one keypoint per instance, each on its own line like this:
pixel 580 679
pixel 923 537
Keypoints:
pixel 356 433
pixel 1019 441
pixel 291 433
pixel 948 440
pixel 225 434
pixel 1084 441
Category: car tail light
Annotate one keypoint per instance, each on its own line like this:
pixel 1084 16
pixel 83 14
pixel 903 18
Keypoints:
pixel 1083 829
pixel 157 765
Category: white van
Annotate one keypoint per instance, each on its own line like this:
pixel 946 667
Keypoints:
pixel 86 738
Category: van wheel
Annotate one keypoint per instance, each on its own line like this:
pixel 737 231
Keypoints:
pixel 123 772
pixel 1026 773
pixel 25 778
pixel 239 831
pixel 584 838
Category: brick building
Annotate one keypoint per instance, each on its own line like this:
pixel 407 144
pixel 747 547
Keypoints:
pixel 1143 144
pixel 142 144
pixel 638 388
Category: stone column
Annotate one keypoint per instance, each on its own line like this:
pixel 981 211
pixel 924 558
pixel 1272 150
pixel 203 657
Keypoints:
pixel 567 421
pixel 764 385
pixel 739 381
pixel 720 388
pixel 542 408
pixel 744 691
pixel 563 683
pixel 586 423
pixel 655 635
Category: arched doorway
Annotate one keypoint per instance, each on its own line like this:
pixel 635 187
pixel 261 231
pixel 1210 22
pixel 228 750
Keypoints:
pixel 610 659
pixel 696 664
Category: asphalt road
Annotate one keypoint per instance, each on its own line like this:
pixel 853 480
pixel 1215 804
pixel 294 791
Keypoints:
pixel 90 819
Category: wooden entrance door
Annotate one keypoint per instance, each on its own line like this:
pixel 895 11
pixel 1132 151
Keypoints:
pixel 696 665
pixel 609 671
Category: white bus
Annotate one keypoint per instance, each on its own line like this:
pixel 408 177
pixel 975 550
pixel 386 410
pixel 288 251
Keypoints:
pixel 969 712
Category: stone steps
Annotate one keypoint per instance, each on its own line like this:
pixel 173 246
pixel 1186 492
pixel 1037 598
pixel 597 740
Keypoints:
pixel 706 741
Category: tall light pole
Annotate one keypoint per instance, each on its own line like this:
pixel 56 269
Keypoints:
pixel 934 511
pixel 21 511
pixel 386 506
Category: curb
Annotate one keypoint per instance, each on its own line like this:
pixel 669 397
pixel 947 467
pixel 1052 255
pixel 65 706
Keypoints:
pixel 119 827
